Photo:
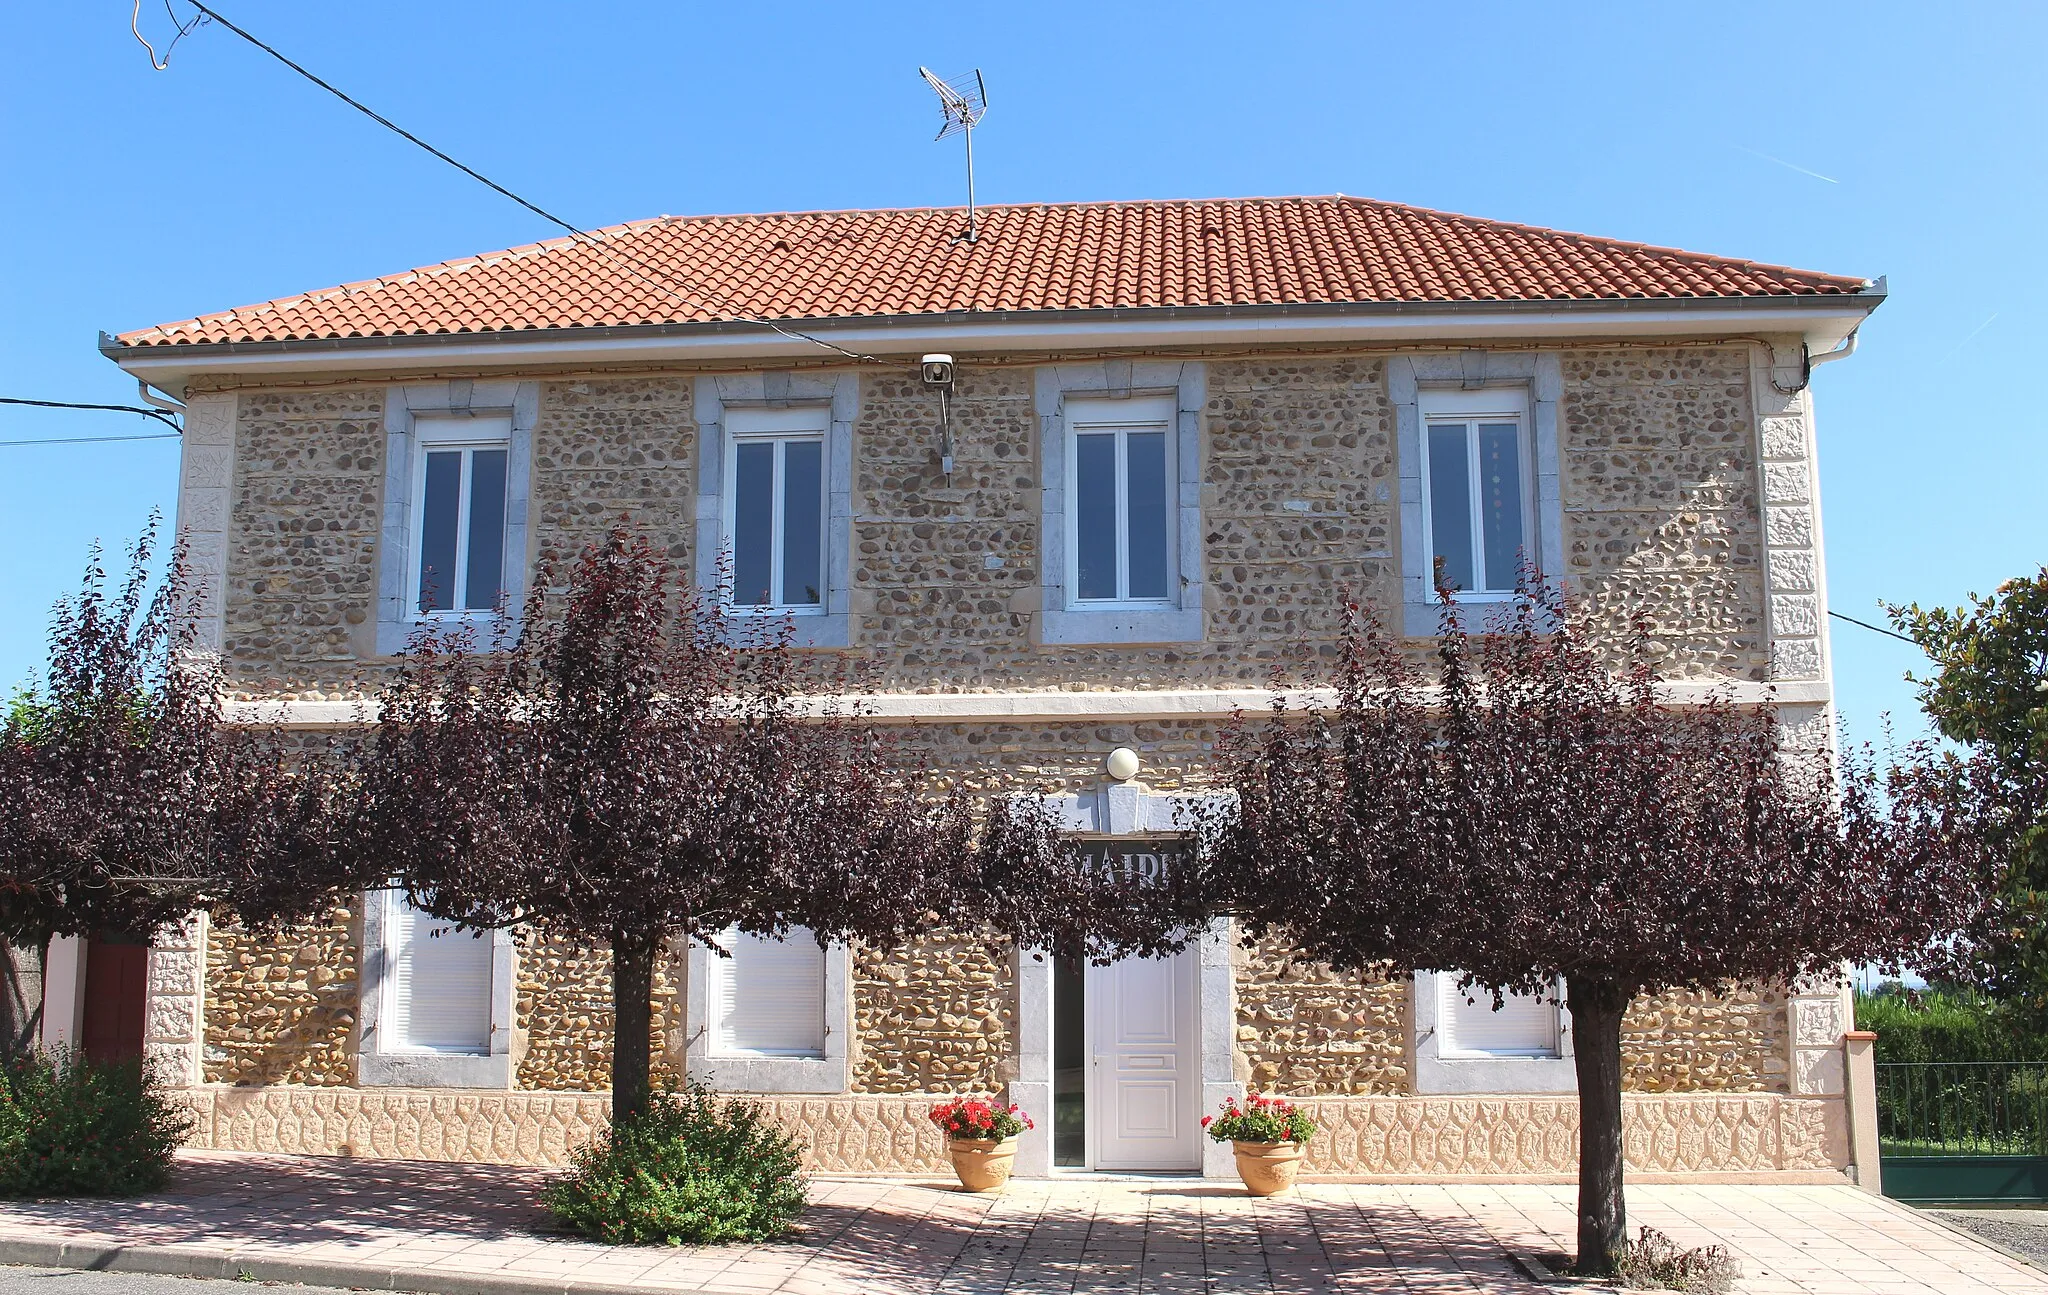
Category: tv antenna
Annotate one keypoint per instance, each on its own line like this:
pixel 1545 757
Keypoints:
pixel 963 105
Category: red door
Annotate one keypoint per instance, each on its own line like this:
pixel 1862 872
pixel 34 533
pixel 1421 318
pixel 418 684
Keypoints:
pixel 116 981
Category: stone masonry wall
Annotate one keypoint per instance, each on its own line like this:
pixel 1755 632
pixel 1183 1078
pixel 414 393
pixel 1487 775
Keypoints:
pixel 565 1013
pixel 1660 502
pixel 1307 1031
pixel 281 1009
pixel 1299 508
pixel 935 1016
pixel 1687 1042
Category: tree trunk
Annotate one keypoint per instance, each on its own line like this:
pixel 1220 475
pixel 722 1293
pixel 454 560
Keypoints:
pixel 21 997
pixel 1597 1007
pixel 632 1021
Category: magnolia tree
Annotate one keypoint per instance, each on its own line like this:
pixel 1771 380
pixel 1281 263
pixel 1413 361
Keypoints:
pixel 124 803
pixel 1532 818
pixel 635 769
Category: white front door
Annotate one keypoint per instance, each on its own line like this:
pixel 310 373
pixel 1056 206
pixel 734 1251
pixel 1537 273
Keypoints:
pixel 1144 1076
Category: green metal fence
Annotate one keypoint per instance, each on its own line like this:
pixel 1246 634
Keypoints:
pixel 1964 1130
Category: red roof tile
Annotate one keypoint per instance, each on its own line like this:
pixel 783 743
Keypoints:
pixel 1097 255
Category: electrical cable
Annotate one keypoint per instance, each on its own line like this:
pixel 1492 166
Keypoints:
pixel 1876 629
pixel 157 414
pixel 93 440
pixel 634 266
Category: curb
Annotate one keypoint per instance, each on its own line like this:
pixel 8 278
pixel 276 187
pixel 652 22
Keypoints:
pixel 175 1260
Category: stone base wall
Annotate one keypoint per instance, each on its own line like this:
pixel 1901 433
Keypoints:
pixel 872 1135
pixel 1509 1136
pixel 1538 1136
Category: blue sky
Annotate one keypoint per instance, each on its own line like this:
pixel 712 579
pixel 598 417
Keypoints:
pixel 137 196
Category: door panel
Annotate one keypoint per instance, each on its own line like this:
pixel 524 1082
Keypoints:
pixel 1144 1081
pixel 116 984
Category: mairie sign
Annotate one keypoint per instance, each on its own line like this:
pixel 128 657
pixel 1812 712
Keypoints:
pixel 1142 860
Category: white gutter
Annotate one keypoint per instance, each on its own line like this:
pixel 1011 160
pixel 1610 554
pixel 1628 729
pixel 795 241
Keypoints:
pixel 1822 321
pixel 1211 704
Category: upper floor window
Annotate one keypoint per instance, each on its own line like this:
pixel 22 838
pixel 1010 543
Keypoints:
pixel 459 540
pixel 1121 484
pixel 1476 497
pixel 775 506
pixel 767 998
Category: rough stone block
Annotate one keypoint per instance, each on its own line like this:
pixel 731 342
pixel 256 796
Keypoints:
pixel 1786 483
pixel 1789 527
pixel 1793 570
pixel 1784 438
pixel 1794 615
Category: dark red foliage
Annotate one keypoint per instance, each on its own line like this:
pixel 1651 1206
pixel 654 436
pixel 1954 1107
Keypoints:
pixel 1535 818
pixel 635 769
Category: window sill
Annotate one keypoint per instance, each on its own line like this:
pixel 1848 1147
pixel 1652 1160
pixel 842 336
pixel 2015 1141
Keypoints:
pixel 433 1070
pixel 1115 625
pixel 1495 1074
pixel 806 629
pixel 756 1074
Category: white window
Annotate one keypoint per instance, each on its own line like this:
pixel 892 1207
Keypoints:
pixel 437 984
pixel 1121 483
pixel 1469 1025
pixel 768 998
pixel 459 506
pixel 775 508
pixel 1477 487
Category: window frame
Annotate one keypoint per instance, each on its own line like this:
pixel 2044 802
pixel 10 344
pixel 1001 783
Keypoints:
pixel 806 424
pixel 1470 409
pixel 1121 418
pixel 1450 998
pixel 383 1063
pixel 721 969
pixel 750 1072
pixel 466 435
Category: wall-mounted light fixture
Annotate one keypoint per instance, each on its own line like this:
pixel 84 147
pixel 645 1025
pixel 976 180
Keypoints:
pixel 937 372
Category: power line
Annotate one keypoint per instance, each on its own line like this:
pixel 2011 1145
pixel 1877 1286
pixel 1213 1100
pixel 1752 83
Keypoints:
pixel 633 265
pixel 1875 629
pixel 157 414
pixel 94 440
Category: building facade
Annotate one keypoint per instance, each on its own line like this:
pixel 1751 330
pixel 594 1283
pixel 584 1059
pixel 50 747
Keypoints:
pixel 1176 437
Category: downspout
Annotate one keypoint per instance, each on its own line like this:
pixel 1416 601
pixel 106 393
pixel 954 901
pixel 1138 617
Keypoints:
pixel 161 402
pixel 1841 352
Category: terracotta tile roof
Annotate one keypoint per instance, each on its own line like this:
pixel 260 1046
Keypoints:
pixel 1097 255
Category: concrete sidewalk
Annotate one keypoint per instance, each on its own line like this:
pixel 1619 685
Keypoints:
pixel 474 1230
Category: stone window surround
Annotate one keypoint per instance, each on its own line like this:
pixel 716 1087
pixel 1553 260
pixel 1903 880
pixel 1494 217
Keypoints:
pixel 838 391
pixel 1440 1074
pixel 1187 384
pixel 742 1073
pixel 1125 809
pixel 1541 375
pixel 378 1068
pixel 404 403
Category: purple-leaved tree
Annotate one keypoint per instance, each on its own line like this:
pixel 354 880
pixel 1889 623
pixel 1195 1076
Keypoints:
pixel 1534 818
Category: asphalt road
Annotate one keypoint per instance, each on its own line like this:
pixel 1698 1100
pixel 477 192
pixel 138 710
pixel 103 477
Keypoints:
pixel 69 1281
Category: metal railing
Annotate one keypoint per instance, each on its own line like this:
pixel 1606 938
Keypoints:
pixel 1962 1108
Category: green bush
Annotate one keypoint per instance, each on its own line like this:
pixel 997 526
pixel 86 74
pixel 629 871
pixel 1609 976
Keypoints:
pixel 689 1170
pixel 1933 1025
pixel 74 1127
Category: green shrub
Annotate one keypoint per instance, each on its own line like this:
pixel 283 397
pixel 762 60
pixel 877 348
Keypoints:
pixel 689 1170
pixel 74 1127
pixel 1933 1025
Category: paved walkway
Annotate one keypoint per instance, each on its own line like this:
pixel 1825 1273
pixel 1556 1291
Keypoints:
pixel 472 1230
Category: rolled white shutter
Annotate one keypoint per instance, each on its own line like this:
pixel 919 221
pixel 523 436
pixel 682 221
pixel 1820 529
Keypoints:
pixel 1525 1025
pixel 769 996
pixel 440 984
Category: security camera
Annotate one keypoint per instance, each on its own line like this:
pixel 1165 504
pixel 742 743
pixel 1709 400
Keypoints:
pixel 937 370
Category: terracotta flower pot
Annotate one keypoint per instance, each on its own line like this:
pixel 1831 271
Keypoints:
pixel 983 1164
pixel 1267 1167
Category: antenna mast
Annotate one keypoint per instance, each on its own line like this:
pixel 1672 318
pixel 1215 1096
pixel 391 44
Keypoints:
pixel 963 106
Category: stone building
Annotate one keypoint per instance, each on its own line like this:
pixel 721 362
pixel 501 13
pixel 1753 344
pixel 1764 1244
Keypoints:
pixel 1176 434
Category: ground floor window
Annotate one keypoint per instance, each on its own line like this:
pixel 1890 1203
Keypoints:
pixel 768 998
pixel 1523 1025
pixel 437 984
